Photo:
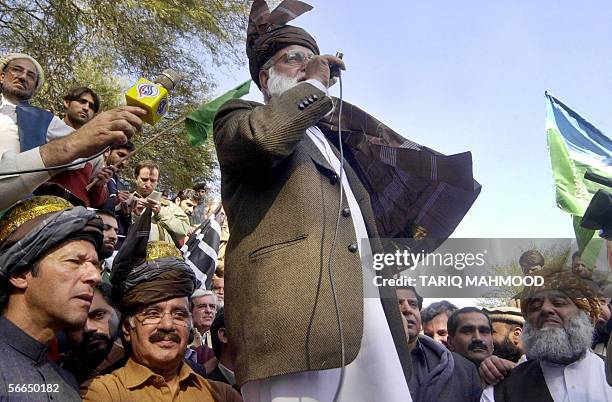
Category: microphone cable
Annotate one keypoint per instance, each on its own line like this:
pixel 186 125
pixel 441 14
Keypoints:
pixel 332 250
pixel 48 169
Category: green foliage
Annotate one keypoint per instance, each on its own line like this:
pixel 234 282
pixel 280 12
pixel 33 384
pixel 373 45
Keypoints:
pixel 108 44
pixel 98 74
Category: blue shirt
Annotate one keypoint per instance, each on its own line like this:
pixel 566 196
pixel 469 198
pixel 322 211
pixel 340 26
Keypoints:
pixel 26 373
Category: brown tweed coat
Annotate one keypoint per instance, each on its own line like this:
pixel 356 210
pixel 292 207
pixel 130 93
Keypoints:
pixel 281 199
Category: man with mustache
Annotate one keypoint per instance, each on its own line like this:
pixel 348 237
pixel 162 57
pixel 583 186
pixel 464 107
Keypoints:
pixel 469 334
pixel 300 217
pixel 49 267
pixel 559 317
pixel 81 105
pixel 151 287
pixel 33 138
pixel 92 343
pixel 170 222
pixel 218 284
pixel 438 374
pixel 204 309
pixel 186 199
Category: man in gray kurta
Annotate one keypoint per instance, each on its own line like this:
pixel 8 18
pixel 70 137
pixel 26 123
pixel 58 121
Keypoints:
pixel 48 270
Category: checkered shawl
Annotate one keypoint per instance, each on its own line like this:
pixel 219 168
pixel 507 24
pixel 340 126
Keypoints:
pixel 415 191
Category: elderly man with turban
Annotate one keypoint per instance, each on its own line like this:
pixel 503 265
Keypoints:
pixel 559 319
pixel 314 325
pixel 151 287
pixel 48 270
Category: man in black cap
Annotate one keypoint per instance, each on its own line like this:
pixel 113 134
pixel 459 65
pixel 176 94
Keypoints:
pixel 49 268
pixel 293 228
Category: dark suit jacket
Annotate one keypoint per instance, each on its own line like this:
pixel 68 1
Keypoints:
pixel 524 383
pixel 281 199
pixel 441 375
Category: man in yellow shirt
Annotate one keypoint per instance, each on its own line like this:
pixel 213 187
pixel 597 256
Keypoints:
pixel 151 287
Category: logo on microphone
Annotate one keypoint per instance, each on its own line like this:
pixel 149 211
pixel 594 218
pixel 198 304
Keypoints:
pixel 162 108
pixel 146 90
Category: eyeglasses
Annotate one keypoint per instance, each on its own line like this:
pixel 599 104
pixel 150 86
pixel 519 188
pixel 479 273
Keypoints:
pixel 18 71
pixel 292 58
pixel 153 317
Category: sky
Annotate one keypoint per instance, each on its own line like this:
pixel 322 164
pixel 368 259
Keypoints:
pixel 471 76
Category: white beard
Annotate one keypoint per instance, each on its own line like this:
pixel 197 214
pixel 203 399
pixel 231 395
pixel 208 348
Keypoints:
pixel 559 345
pixel 279 83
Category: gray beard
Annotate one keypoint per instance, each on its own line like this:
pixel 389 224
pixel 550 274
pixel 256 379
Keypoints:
pixel 21 94
pixel 279 83
pixel 559 345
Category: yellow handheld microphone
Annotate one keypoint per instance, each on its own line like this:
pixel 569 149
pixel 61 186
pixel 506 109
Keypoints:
pixel 153 95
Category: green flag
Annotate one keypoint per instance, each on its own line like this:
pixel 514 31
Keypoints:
pixel 576 147
pixel 199 123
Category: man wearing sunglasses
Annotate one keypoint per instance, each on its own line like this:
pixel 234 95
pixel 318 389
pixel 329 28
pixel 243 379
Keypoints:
pixel 300 222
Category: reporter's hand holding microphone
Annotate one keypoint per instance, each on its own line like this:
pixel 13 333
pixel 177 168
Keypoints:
pixel 114 126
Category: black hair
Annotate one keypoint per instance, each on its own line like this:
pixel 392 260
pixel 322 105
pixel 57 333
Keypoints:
pixel 200 186
pixel 531 258
pixel 106 211
pixel 128 146
pixel 418 297
pixel 106 290
pixel 453 320
pixel 437 308
pixel 76 93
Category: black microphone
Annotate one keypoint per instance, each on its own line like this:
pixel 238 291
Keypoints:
pixel 334 69
pixel 604 181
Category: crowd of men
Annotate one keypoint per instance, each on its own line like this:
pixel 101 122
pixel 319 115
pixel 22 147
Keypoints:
pixel 98 303
pixel 75 221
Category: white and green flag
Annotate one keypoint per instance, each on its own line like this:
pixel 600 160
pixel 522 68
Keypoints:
pixel 576 147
